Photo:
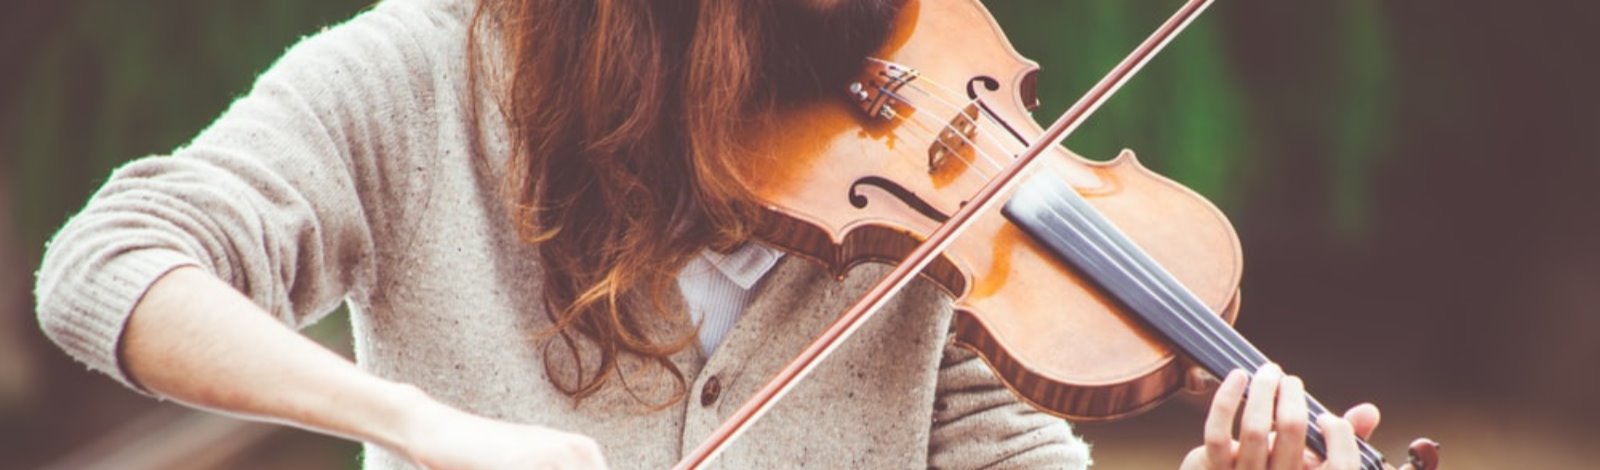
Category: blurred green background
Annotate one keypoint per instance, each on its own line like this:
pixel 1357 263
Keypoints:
pixel 1414 183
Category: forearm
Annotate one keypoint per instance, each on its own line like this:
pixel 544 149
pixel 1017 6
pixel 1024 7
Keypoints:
pixel 195 339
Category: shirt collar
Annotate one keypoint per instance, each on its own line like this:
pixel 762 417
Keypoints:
pixel 745 265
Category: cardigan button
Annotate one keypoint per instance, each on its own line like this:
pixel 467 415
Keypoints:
pixel 711 391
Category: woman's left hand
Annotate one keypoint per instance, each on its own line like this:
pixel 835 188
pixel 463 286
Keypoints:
pixel 1274 437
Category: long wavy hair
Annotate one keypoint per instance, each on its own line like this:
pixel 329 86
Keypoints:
pixel 625 117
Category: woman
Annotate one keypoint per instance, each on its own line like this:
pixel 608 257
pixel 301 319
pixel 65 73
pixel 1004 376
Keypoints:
pixel 529 208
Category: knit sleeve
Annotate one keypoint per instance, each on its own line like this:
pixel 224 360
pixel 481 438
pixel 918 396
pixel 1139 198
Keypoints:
pixel 978 423
pixel 273 197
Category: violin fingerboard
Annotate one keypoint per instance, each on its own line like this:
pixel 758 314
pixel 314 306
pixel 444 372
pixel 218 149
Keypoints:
pixel 1054 214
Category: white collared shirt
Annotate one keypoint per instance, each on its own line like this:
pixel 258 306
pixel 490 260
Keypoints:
pixel 717 287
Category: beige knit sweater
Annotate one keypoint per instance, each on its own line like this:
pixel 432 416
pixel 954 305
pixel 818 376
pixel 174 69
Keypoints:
pixel 349 175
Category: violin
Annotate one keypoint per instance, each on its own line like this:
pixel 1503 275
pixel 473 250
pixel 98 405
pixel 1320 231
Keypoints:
pixel 1090 293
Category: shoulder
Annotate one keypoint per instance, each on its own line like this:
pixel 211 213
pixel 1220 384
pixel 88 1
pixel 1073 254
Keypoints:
pixel 398 58
pixel 446 19
pixel 412 34
pixel 416 29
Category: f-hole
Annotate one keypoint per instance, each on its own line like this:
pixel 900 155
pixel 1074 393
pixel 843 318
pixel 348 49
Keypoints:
pixel 992 85
pixel 899 192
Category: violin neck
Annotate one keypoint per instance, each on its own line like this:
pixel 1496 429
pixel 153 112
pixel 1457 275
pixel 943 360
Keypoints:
pixel 1055 215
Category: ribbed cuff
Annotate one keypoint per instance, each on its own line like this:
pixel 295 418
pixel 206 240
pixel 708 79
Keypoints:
pixel 87 319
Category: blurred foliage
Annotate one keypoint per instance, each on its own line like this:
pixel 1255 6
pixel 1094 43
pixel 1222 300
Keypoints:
pixel 97 83
pixel 87 86
pixel 102 83
pixel 1183 115
pixel 1189 114
pixel 1361 110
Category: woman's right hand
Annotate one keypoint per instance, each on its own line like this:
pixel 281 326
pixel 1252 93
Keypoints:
pixel 194 339
pixel 444 438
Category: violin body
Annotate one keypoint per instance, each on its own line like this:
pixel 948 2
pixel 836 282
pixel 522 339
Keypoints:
pixel 846 182
pixel 1088 293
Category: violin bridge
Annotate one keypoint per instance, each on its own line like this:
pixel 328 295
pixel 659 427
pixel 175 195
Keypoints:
pixel 877 90
pixel 955 140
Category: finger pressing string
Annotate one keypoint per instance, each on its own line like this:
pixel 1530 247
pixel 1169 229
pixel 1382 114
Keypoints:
pixel 1219 422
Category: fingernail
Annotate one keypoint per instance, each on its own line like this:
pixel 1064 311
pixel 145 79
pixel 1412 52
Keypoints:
pixel 1270 367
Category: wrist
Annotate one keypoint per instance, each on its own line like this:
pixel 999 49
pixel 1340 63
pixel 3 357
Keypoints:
pixel 412 413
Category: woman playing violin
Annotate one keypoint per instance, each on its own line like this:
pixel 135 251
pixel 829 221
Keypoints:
pixel 530 209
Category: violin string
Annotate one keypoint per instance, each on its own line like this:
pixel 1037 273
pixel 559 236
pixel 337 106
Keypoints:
pixel 1236 359
pixel 984 176
pixel 1187 314
pixel 1188 321
pixel 979 127
pixel 1233 355
pixel 960 112
pixel 994 120
pixel 922 126
pixel 987 158
pixel 1229 356
pixel 966 182
pixel 1213 339
pixel 946 103
pixel 978 124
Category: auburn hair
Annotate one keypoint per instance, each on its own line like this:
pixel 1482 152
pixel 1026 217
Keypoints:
pixel 624 117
